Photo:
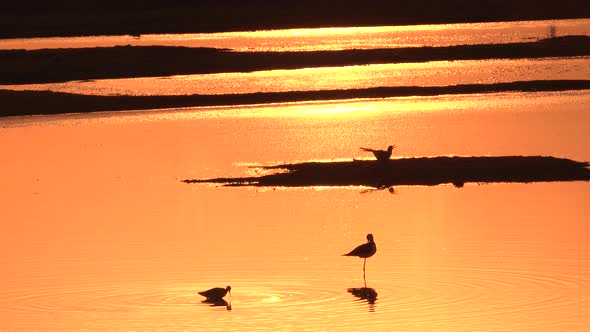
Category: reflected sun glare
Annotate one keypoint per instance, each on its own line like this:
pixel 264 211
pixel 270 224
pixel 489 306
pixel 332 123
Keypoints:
pixel 272 299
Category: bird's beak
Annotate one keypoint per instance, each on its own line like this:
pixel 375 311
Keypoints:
pixel 230 293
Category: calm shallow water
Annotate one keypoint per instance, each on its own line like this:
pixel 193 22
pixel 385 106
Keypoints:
pixel 435 73
pixel 99 233
pixel 330 38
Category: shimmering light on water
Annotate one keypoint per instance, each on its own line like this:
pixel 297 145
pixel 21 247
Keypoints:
pixel 435 73
pixel 98 233
pixel 101 235
pixel 330 38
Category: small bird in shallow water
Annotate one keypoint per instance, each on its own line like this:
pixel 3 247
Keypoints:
pixel 381 155
pixel 216 293
pixel 364 251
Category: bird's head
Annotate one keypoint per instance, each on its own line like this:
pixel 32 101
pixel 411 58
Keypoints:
pixel 370 237
pixel 228 288
pixel 390 148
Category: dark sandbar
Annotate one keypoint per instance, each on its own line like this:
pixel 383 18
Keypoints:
pixel 427 171
pixel 15 103
pixel 60 65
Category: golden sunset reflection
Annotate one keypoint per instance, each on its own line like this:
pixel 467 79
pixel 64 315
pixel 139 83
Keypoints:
pixel 434 73
pixel 328 38
pixel 272 299
pixel 367 108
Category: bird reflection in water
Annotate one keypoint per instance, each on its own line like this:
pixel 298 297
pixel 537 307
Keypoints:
pixel 218 303
pixel 367 294
pixel 370 190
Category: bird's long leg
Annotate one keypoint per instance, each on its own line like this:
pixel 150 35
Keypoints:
pixel 364 279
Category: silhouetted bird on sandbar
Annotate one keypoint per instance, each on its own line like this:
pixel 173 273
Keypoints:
pixel 216 293
pixel 381 155
pixel 364 251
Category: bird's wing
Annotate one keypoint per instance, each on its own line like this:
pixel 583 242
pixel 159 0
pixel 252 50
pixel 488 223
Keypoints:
pixel 356 251
pixel 367 149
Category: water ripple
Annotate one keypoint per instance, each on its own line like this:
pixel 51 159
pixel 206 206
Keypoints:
pixel 420 294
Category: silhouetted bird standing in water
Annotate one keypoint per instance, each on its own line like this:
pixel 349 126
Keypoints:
pixel 216 293
pixel 381 155
pixel 364 251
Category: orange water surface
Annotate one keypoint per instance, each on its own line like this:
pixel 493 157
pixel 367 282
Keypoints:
pixel 98 233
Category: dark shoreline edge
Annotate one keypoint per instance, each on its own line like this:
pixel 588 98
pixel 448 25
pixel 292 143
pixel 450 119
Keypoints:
pixel 114 17
pixel 423 171
pixel 61 65
pixel 17 103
